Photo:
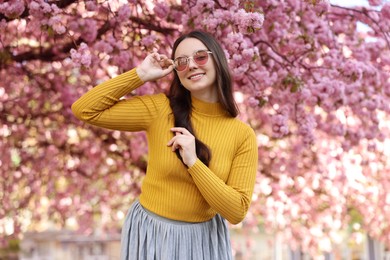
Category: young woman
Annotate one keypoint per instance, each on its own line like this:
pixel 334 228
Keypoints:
pixel 202 160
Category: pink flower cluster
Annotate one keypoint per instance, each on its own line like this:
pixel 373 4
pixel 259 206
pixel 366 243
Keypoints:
pixel 148 40
pixel 41 9
pixel 12 8
pixel 248 22
pixel 161 9
pixel 47 14
pixel 385 11
pixel 91 6
pixel 375 2
pixel 81 56
pixel 280 124
pixel 87 27
pixel 124 13
pixel 207 15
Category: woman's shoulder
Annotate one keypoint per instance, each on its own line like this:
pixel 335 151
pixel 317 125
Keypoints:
pixel 154 102
pixel 242 126
pixel 239 129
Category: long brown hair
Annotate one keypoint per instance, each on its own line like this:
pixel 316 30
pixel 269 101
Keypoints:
pixel 180 97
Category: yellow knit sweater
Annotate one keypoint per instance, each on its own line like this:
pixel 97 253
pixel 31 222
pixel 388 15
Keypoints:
pixel 169 189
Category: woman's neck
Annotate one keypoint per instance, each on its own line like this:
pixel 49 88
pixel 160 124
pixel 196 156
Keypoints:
pixel 209 96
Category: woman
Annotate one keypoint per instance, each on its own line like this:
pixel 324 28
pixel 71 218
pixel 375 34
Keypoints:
pixel 202 160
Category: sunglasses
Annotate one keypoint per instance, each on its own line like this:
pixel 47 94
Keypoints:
pixel 200 58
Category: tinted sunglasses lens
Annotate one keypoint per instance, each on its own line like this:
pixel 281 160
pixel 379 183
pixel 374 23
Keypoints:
pixel 201 57
pixel 181 64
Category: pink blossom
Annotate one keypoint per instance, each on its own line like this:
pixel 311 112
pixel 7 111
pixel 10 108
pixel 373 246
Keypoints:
pixel 206 5
pixel 161 9
pixel 55 10
pixel 248 22
pixel 57 25
pixel 87 27
pixel 279 125
pixel 124 13
pixel 91 6
pixel 322 7
pixel 12 8
pixel 82 56
pixel 237 57
pixel 148 40
pixel 103 46
pixel 213 23
pixel 375 2
pixel 248 53
pixel 253 102
pixel 385 11
pixel 34 6
pixel 46 8
pixel 122 59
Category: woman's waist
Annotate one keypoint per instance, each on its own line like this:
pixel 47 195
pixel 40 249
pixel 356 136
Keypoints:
pixel 190 208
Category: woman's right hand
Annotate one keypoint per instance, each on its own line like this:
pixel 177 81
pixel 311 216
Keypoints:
pixel 154 66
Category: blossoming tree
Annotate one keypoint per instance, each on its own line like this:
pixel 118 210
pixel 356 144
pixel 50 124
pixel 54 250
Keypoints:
pixel 314 87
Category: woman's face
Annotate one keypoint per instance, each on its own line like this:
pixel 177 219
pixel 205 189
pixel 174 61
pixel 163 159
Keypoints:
pixel 200 80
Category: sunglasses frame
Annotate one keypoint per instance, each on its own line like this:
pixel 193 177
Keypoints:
pixel 191 57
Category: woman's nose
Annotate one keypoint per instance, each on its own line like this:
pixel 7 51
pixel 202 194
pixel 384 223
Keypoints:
pixel 191 63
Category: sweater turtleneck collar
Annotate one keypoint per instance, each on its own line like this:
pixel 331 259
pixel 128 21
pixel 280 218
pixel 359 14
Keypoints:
pixel 206 108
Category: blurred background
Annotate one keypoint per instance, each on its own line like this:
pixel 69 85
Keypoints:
pixel 312 78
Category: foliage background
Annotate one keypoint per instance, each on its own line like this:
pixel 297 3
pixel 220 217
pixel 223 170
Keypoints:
pixel 315 89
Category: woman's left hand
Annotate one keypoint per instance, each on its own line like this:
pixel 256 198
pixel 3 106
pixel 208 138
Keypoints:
pixel 185 142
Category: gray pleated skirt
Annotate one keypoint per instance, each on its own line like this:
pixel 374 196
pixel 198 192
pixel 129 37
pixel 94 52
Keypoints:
pixel 146 235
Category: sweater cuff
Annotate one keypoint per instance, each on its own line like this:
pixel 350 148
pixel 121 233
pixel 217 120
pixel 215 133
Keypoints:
pixel 198 166
pixel 132 75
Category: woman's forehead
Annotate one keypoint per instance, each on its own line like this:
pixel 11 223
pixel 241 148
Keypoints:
pixel 188 46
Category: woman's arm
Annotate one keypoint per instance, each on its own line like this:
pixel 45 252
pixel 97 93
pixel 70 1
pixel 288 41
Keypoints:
pixel 102 106
pixel 231 199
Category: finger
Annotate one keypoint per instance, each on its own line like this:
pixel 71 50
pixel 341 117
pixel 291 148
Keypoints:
pixel 153 58
pixel 168 70
pixel 181 130
pixel 175 139
pixel 172 141
pixel 164 57
pixel 157 56
pixel 166 60
pixel 153 54
pixel 165 63
pixel 174 146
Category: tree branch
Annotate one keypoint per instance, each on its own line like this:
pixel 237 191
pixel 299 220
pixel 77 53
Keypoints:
pixel 364 12
pixel 50 55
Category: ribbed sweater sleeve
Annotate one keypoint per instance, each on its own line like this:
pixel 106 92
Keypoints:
pixel 230 199
pixel 102 106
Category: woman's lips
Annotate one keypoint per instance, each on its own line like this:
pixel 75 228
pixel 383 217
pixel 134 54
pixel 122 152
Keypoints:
pixel 196 76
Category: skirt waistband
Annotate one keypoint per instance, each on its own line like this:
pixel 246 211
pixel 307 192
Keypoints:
pixel 167 220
